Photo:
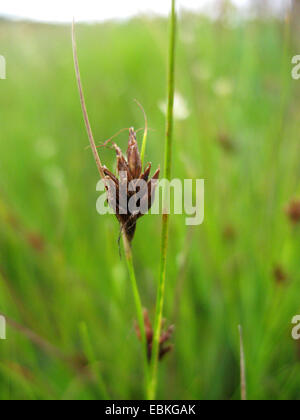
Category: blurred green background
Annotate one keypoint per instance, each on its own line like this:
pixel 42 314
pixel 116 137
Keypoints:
pixel 63 288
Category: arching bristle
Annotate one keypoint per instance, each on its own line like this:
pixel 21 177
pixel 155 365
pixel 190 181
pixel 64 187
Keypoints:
pixel 116 135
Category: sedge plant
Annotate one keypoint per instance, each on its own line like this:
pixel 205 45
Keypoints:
pixel 151 341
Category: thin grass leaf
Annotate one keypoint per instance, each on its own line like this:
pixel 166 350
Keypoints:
pixel 242 366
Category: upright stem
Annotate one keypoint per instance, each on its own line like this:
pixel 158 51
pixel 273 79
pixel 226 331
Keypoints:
pixel 138 304
pixel 165 220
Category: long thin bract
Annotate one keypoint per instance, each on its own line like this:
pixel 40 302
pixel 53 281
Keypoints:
pixel 83 106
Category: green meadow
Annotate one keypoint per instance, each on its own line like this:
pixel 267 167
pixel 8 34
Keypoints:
pixel 64 289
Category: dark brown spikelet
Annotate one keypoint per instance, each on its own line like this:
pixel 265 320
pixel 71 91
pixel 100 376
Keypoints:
pixel 164 338
pixel 129 169
pixel 293 211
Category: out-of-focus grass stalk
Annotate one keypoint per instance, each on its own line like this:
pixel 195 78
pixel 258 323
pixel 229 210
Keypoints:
pixel 138 305
pixel 127 246
pixel 165 220
pixel 242 366
pixel 94 364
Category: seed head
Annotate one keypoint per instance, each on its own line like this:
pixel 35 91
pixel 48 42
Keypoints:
pixel 129 171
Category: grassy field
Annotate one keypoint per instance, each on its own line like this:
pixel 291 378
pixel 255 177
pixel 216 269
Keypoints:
pixel 63 287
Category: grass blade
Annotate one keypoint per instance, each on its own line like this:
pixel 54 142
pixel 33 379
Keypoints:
pixel 93 363
pixel 242 366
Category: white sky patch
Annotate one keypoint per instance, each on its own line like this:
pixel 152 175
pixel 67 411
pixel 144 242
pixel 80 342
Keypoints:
pixel 101 10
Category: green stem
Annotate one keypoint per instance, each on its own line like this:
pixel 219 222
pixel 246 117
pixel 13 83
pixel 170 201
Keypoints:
pixel 138 304
pixel 165 220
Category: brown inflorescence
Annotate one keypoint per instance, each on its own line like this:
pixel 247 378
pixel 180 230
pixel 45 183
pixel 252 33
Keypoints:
pixel 164 338
pixel 129 170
